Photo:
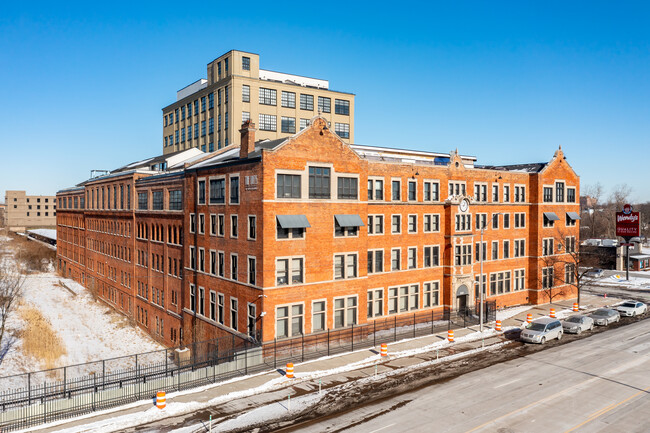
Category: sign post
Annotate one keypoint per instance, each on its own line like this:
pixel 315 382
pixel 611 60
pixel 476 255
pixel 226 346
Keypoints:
pixel 628 227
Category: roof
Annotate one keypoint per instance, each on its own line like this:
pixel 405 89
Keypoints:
pixel 519 168
pixel 545 320
pixel 47 233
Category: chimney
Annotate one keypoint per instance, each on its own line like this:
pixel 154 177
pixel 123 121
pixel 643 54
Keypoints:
pixel 247 139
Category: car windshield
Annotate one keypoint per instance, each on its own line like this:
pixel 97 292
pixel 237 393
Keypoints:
pixel 574 319
pixel 536 327
pixel 628 304
pixel 601 313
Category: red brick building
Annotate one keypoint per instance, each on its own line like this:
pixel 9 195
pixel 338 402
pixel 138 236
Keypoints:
pixel 279 238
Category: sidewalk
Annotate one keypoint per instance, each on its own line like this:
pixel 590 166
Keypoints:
pixel 272 386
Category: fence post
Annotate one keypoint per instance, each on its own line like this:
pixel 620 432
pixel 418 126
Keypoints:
pixel 166 361
pixel 328 341
pixel 136 366
pixel 29 388
pixel 374 333
pixel 303 347
pixel 395 328
pixel 413 325
pixel 431 321
pixel 275 353
pixel 245 357
pixel 103 374
pixel 352 338
pixel 179 376
pixel 94 389
pixel 65 380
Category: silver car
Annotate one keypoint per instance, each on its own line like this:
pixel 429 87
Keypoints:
pixel 578 323
pixel 632 308
pixel 605 316
pixel 540 330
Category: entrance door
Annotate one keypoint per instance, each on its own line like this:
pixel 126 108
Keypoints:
pixel 462 295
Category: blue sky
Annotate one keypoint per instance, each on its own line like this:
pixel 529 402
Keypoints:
pixel 82 85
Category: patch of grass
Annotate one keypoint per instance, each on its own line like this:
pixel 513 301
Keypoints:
pixel 40 340
pixel 35 256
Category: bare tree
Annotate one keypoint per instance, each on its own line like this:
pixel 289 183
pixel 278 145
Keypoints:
pixel 592 209
pixel 11 282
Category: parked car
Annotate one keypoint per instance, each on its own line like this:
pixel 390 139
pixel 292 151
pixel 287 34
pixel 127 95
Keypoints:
pixel 578 323
pixel 632 308
pixel 540 330
pixel 605 316
pixel 594 273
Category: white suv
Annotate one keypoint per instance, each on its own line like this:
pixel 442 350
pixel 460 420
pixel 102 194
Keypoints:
pixel 541 330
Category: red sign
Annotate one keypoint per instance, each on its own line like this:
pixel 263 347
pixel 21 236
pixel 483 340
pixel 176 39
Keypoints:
pixel 627 223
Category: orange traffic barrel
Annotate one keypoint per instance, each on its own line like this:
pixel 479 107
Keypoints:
pixel 576 307
pixel 529 318
pixel 450 335
pixel 497 327
pixel 161 400
pixel 384 349
pixel 552 314
pixel 290 370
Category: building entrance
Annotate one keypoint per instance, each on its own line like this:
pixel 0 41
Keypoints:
pixel 462 296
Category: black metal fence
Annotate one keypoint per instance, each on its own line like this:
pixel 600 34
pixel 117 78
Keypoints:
pixel 74 390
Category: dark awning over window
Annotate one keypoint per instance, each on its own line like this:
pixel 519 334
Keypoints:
pixel 551 216
pixel 349 220
pixel 293 221
pixel 574 216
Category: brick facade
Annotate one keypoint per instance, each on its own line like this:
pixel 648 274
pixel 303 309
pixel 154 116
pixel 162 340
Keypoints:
pixel 244 273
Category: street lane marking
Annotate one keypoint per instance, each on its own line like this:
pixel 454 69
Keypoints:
pixel 507 383
pixel 606 409
pixel 384 427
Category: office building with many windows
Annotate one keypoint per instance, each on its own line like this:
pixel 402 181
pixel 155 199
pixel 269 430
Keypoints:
pixel 275 239
pixel 24 211
pixel 207 113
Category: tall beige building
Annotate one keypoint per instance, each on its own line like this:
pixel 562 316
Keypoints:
pixel 209 112
pixel 24 211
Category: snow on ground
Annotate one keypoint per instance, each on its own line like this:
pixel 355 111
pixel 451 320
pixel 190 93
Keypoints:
pixel 120 423
pixel 507 313
pixel 618 280
pixel 89 329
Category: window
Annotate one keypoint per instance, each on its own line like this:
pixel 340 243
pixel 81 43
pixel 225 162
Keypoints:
pixel 324 105
pixel 267 96
pixel 547 278
pixel 202 104
pixel 347 188
pixel 548 222
pixel 495 221
pixel 234 266
pixel 477 251
pixel 142 201
pixel 233 313
pixel 463 222
pixel 506 193
pixel 395 259
pixel 306 102
pixel 288 100
pixel 412 223
pixel 431 191
pixel 376 224
pixel 221 267
pixel 288 124
pixel 548 194
pixel 289 322
pixel 246 63
pixel 318 316
pixel 293 233
pixel 431 223
pixel 342 129
pixel 570 273
pixel 282 271
pixel 252 316
pixel 233 226
pixel 396 189
pixel 201 301
pixel 520 220
pixel 220 225
pixel 217 191
pixel 345 312
pixel 495 193
pixel 213 262
pixel 304 123
pixel 506 249
pixel 547 247
pixel 481 220
pixel 520 279
pixel 192 298
pixel 412 190
pixel 457 188
pixel 213 305
pixel 495 250
pixel 192 223
pixel 288 186
pixel 520 247
pixel 571 195
pixel 520 194
pixel 345 266
pixel 221 302
pixel 252 262
pixel 201 223
pixel 342 106
pixel 403 298
pixel 234 189
pixel 506 220
pixel 252 227
pixel 559 192
pixel 500 283
pixel 431 256
pixel 319 182
pixel 396 224
pixel 463 255
pixel 245 115
pixel 157 200
pixel 375 303
pixel 175 199
pixel 480 192
pixel 375 261
pixel 412 258
pixel 569 222
pixel 375 189
pixel 268 122
pixel 570 244
pixel 430 294
pixel 349 230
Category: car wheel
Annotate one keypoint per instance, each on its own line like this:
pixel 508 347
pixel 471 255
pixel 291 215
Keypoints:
pixel 543 340
pixel 559 336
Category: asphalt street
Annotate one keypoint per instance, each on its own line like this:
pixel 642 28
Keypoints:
pixel 595 384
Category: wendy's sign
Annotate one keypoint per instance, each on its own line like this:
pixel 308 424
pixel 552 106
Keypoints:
pixel 627 223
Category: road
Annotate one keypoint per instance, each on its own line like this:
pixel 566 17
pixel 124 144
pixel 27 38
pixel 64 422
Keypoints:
pixel 595 384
